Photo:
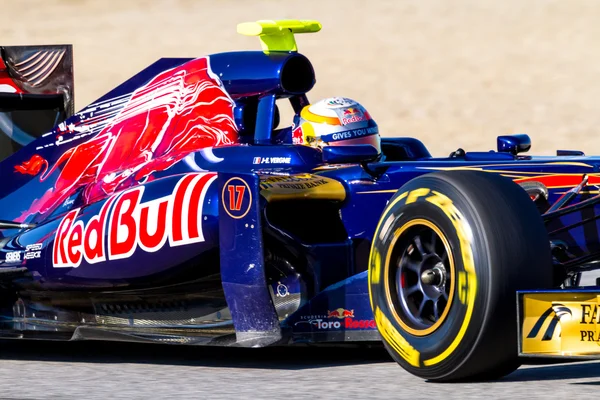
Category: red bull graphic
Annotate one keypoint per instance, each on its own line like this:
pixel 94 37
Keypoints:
pixel 130 224
pixel 33 166
pixel 351 115
pixel 297 136
pixel 340 313
pixel 178 112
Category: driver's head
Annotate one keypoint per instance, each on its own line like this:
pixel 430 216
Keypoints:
pixel 335 121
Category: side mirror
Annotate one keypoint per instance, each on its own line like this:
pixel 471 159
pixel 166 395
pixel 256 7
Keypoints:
pixel 514 144
pixel 358 153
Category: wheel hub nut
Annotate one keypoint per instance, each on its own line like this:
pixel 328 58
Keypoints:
pixel 434 276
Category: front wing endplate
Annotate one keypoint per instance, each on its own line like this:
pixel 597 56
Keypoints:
pixel 559 323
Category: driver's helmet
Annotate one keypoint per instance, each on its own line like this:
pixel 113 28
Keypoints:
pixel 335 121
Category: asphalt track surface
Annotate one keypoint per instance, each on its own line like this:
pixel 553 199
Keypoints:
pixel 95 370
pixel 101 370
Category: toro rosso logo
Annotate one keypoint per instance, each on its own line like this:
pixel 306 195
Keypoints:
pixel 116 233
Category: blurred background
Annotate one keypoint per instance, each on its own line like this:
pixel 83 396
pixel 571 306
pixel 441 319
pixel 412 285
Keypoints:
pixel 451 73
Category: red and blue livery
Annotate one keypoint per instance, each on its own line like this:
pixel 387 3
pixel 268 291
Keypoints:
pixel 174 209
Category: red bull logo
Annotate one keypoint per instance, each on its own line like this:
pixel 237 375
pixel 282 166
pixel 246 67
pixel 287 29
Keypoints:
pixel 298 136
pixel 176 218
pixel 352 115
pixel 340 313
pixel 353 119
pixel 178 112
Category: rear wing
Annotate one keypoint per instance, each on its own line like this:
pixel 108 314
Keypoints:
pixel 36 92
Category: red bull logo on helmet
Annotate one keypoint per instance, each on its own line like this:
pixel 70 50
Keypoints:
pixel 352 115
pixel 353 119
pixel 117 233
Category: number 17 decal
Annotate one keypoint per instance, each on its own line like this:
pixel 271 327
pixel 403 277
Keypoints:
pixel 236 198
pixel 235 203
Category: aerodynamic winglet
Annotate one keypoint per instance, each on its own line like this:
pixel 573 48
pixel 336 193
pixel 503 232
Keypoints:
pixel 278 35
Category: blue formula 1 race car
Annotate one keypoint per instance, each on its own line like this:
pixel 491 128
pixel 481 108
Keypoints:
pixel 174 210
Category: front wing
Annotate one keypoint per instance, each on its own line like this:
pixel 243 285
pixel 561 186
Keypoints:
pixel 559 323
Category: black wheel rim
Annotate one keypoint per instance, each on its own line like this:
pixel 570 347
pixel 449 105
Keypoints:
pixel 422 280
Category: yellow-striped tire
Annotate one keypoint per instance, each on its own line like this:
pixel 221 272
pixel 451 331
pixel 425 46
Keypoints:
pixel 494 242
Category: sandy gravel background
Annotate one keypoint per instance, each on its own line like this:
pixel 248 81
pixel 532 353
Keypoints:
pixel 452 73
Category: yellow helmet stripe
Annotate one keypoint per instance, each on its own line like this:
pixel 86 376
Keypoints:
pixel 309 116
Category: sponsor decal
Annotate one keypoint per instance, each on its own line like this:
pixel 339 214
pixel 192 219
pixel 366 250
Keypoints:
pixel 347 324
pixel 321 323
pixel 125 223
pixel 553 315
pixel 236 198
pixel 304 185
pixel 69 202
pixel 298 136
pixel 353 119
pixel 350 323
pixel 272 160
pixel 298 182
pixel 340 313
pixel 306 318
pixel 589 316
pixel 13 257
pixel 351 134
pixel 33 251
pixel 340 102
pixel 332 320
pixel 32 255
pixel 351 115
pixel 565 323
pixel 301 186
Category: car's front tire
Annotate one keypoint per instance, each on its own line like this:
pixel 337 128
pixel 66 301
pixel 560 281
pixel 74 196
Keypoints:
pixel 449 253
